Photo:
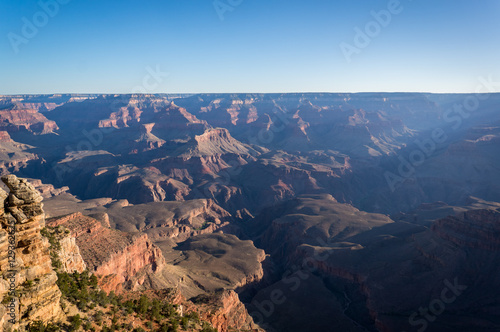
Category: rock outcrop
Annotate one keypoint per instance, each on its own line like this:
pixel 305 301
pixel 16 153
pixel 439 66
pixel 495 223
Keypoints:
pixel 225 312
pixel 115 257
pixel 28 287
pixel 65 250
pixel 218 141
pixel 70 257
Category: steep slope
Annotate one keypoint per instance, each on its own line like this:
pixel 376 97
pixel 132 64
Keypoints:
pixel 122 111
pixel 162 147
pixel 115 257
pixel 28 287
pixel 359 125
pixel 217 141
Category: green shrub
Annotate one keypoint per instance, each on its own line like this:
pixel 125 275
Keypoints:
pixel 87 326
pixel 143 305
pixel 208 328
pixel 193 315
pixel 184 322
pixel 75 322
pixel 39 326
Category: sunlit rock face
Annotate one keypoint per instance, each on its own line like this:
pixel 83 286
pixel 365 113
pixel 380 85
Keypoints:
pixel 25 262
pixel 115 257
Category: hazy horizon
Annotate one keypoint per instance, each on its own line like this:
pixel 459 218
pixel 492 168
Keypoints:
pixel 247 93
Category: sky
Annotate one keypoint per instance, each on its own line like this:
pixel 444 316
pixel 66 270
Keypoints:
pixel 203 46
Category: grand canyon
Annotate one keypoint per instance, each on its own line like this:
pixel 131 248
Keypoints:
pixel 250 212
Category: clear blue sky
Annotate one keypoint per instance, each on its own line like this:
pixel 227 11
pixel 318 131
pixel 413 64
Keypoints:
pixel 106 46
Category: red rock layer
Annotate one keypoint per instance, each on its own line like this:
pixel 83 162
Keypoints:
pixel 478 229
pixel 115 257
pixel 225 312
pixel 14 119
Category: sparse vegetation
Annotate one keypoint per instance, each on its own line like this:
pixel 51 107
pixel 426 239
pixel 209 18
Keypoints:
pixel 109 312
pixel 75 322
pixel 39 326
pixel 208 328
pixel 203 226
pixel 81 289
pixel 55 245
pixel 28 284
pixel 50 234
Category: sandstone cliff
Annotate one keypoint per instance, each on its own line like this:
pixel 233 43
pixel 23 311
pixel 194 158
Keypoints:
pixel 225 312
pixel 115 257
pixel 64 250
pixel 28 287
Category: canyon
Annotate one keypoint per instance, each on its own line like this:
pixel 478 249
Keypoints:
pixel 273 212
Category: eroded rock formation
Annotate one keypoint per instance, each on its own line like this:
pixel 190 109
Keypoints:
pixel 225 312
pixel 22 117
pixel 115 257
pixel 28 285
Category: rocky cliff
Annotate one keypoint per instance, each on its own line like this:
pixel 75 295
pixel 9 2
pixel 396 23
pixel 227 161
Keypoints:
pixel 121 261
pixel 225 312
pixel 28 287
pixel 21 117
pixel 64 250
pixel 115 257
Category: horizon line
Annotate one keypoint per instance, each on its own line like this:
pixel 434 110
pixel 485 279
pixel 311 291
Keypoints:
pixel 231 93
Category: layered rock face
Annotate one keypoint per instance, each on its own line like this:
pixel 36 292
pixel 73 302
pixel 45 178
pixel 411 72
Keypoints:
pixel 173 135
pixel 273 148
pixel 66 250
pixel 225 312
pixel 27 269
pixel 13 155
pixel 477 229
pixel 115 257
pixel 19 117
pixel 168 220
pixel 70 255
pixel 219 141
